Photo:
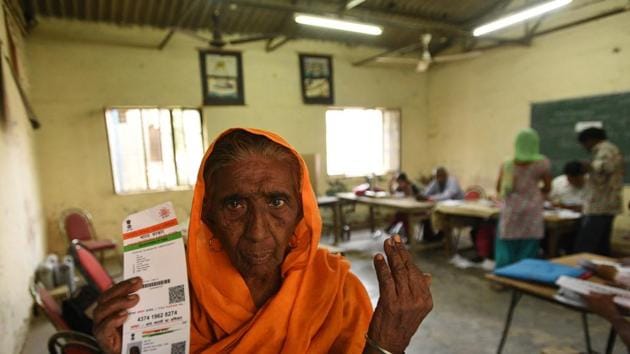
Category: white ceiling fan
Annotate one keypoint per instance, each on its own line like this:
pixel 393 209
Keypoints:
pixel 427 59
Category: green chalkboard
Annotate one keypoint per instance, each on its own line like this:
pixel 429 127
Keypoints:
pixel 556 123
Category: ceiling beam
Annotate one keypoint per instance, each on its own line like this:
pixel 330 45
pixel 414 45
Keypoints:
pixel 490 13
pixel 380 18
pixel 403 50
pixel 270 46
pixel 180 21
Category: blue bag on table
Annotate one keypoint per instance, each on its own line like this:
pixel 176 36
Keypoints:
pixel 538 270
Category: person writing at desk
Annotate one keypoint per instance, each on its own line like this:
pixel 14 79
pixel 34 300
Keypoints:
pixel 568 190
pixel 442 187
pixel 258 282
pixel 401 185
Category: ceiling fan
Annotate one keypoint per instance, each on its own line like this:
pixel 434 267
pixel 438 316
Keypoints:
pixel 218 42
pixel 426 59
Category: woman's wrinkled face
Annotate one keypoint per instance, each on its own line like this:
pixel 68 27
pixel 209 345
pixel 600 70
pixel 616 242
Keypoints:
pixel 253 209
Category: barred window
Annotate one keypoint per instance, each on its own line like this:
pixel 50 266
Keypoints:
pixel 154 149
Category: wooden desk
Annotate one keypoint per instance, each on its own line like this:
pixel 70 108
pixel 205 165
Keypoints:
pixel 448 216
pixel 416 211
pixel 547 292
pixel 335 206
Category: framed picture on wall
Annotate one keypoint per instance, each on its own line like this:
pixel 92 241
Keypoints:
pixel 221 77
pixel 316 76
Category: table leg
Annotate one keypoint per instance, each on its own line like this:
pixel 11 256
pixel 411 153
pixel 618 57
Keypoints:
pixel 336 209
pixel 516 296
pixel 372 222
pixel 610 344
pixel 448 240
pixel 587 336
pixel 414 229
pixel 553 237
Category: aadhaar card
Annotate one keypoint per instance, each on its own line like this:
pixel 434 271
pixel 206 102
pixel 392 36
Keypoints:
pixel 154 250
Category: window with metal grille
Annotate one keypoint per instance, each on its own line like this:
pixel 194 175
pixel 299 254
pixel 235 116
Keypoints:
pixel 361 142
pixel 154 149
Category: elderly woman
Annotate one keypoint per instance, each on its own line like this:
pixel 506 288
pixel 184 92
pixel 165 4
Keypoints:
pixel 259 284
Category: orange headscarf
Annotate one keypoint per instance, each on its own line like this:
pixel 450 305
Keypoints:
pixel 321 307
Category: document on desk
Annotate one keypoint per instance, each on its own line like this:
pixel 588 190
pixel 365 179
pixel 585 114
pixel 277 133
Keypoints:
pixel 585 287
pixel 154 251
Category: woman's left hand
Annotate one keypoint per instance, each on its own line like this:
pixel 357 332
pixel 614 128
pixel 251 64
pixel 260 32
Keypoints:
pixel 405 298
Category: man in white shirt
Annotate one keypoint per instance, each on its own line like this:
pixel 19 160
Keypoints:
pixel 568 190
pixel 442 187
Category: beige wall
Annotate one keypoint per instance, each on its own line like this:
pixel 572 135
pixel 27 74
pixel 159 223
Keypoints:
pixel 77 69
pixel 476 107
pixel 21 228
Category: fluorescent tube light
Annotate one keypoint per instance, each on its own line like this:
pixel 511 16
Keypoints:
pixel 519 17
pixel 342 25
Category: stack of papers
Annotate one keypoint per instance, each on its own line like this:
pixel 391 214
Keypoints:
pixel 572 288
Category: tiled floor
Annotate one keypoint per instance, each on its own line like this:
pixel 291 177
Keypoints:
pixel 467 318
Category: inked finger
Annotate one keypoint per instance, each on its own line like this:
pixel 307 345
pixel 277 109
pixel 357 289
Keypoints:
pixel 123 288
pixel 397 267
pixel 113 306
pixel 383 274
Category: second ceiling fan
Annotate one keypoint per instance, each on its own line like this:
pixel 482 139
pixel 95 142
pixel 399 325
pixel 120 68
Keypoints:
pixel 423 63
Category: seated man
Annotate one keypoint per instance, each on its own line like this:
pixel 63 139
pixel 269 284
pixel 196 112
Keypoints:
pixel 567 190
pixel 258 281
pixel 442 187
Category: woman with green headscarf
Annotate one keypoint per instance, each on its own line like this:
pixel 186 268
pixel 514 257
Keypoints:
pixel 524 180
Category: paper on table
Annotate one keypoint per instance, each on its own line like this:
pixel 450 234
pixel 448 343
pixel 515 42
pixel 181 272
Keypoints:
pixel 451 202
pixel 154 251
pixel 584 287
pixel 563 213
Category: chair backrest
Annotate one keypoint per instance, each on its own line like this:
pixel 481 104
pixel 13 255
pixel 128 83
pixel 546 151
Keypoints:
pixel 76 224
pixel 51 308
pixel 70 342
pixel 475 193
pixel 93 271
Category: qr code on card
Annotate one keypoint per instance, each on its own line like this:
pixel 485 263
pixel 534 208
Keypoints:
pixel 178 348
pixel 176 294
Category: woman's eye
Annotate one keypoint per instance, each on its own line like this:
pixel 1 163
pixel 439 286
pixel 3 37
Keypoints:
pixel 277 203
pixel 233 204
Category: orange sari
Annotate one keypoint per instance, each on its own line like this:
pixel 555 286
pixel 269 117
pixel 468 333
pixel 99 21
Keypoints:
pixel 321 307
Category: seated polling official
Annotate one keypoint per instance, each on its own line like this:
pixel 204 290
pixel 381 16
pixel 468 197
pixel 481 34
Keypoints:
pixel 401 185
pixel 442 187
pixel 258 282
pixel 568 190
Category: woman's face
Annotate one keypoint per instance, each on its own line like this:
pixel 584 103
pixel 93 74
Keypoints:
pixel 253 208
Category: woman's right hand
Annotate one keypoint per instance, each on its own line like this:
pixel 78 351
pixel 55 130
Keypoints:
pixel 111 312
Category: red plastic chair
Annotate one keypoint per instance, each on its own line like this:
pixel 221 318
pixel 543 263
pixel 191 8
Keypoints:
pixel 49 306
pixel 69 342
pixel 93 271
pixel 65 341
pixel 475 193
pixel 76 224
